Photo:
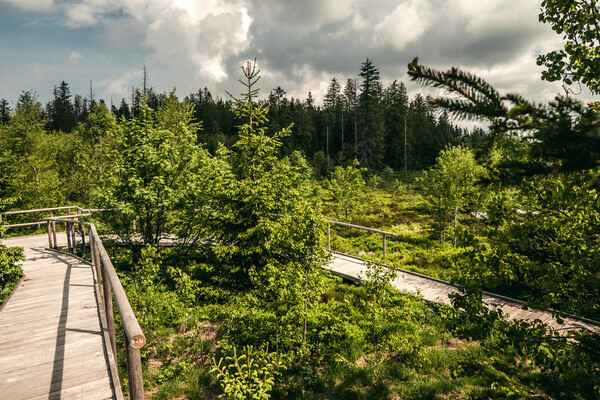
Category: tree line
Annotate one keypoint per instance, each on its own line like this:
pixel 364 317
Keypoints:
pixel 361 119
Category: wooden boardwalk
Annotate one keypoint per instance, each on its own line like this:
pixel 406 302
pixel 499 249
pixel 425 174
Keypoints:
pixel 437 291
pixel 52 344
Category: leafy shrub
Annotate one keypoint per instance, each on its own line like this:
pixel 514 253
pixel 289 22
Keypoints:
pixel 248 376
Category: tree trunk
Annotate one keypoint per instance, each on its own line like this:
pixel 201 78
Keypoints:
pixel 455 219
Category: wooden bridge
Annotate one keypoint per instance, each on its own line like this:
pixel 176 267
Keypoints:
pixel 436 290
pixel 57 331
pixel 57 334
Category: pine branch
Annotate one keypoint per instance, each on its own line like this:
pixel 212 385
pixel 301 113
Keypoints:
pixel 482 100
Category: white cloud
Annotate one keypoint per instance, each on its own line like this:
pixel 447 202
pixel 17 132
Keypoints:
pixel 119 86
pixel 190 39
pixel 31 5
pixel 75 56
pixel 405 24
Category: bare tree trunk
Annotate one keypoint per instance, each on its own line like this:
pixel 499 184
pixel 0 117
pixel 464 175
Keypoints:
pixel 342 130
pixel 327 147
pixel 455 219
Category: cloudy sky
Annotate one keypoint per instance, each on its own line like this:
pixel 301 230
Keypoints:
pixel 300 44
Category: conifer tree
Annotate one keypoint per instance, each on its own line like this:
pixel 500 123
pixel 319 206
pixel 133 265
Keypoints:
pixel 332 107
pixel 270 230
pixel 61 112
pixel 4 111
pixel 396 110
pixel 351 109
pixel 28 159
pixel 371 119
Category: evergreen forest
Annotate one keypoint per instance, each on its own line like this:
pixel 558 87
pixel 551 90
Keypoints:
pixel 240 307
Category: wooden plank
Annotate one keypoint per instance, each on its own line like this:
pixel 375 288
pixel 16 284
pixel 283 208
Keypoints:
pixel 50 316
pixel 89 391
pixel 37 384
pixel 41 353
pixel 15 333
pixel 73 357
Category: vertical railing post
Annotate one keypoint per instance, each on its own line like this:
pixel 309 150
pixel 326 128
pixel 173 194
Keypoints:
pixel 69 246
pixel 74 238
pixel 134 371
pixel 50 235
pixel 96 259
pixel 82 231
pixel 1 232
pixel 328 236
pixel 54 235
pixel 108 309
pixel 384 247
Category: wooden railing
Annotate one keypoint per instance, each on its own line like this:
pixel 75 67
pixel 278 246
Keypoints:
pixel 384 234
pixel 71 212
pixel 111 285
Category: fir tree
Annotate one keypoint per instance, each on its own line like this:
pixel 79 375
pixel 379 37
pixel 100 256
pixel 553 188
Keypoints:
pixel 61 112
pixel 371 122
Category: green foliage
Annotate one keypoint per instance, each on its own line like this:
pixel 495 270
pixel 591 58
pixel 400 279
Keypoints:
pixel 250 375
pixel 541 240
pixel 346 186
pixel 450 186
pixel 92 157
pixel 579 60
pixel 560 137
pixel 157 293
pixel 370 117
pixel 154 160
pixel 27 157
pixel 269 230
pixel 10 271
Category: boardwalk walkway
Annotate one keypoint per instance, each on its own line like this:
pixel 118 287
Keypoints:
pixel 51 341
pixel 437 291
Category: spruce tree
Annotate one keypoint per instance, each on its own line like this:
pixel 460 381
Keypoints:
pixel 351 110
pixel 396 109
pixel 4 112
pixel 370 117
pixel 332 107
pixel 61 112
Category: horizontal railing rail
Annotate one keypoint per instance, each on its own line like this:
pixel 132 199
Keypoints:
pixel 111 285
pixel 384 234
pixel 80 212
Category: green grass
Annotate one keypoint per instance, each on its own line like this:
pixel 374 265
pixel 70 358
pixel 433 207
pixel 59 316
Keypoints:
pixel 403 210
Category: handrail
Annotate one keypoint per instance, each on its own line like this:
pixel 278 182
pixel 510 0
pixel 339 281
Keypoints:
pixel 384 234
pixel 111 284
pixel 80 212
pixel 40 210
pixel 364 228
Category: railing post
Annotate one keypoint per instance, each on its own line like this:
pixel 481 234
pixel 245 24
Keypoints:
pixel 108 309
pixel 54 235
pixel 328 236
pixel 50 235
pixel 384 247
pixel 74 238
pixel 96 262
pixel 69 246
pixel 82 231
pixel 134 371
pixel 1 232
